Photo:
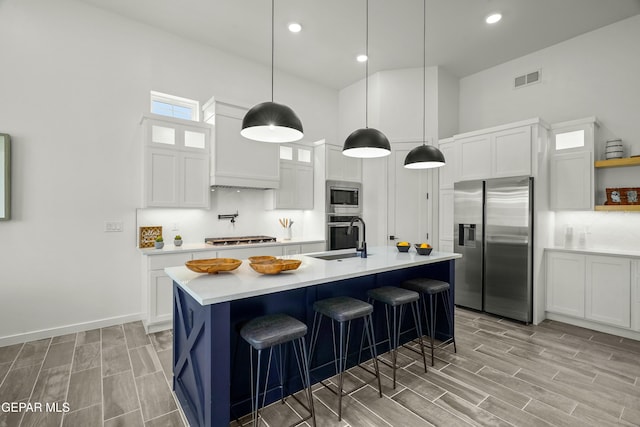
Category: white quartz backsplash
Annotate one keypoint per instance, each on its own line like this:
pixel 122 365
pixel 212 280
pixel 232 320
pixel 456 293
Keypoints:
pixel 600 230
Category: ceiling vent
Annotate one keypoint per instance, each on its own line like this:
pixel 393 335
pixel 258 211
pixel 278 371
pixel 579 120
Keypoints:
pixel 527 79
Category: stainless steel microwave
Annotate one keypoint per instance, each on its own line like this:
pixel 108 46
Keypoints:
pixel 344 197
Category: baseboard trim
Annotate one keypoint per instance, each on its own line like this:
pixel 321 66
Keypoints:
pixel 621 332
pixel 69 329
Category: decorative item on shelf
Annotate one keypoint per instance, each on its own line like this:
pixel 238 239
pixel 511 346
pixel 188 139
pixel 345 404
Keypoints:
pixel 424 156
pixel 159 244
pixel 286 224
pixel 147 237
pixel 269 121
pixel 275 266
pixel 614 197
pixel 366 142
pixel 614 149
pixel 213 265
pixel 630 195
pixel 423 249
pixel 403 246
pixel 177 241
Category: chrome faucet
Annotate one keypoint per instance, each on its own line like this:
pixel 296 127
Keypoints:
pixel 363 248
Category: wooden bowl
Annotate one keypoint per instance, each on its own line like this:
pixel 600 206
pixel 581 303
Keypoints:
pixel 275 266
pixel 213 265
pixel 261 258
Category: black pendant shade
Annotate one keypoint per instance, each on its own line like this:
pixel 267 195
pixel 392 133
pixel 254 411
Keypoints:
pixel 424 157
pixel 366 143
pixel 271 122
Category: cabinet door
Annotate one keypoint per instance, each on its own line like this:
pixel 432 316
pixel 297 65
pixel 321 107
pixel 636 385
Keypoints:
pixel 608 290
pixel 194 180
pixel 445 246
pixel 447 172
pixel 240 161
pixel 511 151
pixel 307 248
pixel 286 194
pixel 473 155
pixel 566 283
pixel 160 298
pixel 291 250
pixel 162 178
pixel 244 253
pixel 571 178
pixel 445 215
pixel 342 168
pixel 304 187
pixel 635 295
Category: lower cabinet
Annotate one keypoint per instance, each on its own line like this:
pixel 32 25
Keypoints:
pixel 591 287
pixel 635 295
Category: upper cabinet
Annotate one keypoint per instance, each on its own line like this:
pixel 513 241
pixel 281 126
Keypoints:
pixel 237 161
pixel 296 179
pixel 503 151
pixel 571 165
pixel 341 167
pixel 176 163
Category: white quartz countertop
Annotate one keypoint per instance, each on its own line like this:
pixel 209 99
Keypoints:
pixel 169 248
pixel 244 282
pixel 598 251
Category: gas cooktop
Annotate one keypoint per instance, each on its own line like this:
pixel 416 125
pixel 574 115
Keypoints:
pixel 241 240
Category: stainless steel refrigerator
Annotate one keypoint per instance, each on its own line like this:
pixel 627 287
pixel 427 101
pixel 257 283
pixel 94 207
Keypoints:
pixel 493 231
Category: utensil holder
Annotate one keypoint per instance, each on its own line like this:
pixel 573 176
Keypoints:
pixel 286 234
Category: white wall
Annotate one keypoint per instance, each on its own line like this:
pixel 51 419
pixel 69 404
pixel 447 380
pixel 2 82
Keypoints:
pixel 595 74
pixel 75 81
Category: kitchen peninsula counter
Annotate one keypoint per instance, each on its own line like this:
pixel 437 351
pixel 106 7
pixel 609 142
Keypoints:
pixel 211 376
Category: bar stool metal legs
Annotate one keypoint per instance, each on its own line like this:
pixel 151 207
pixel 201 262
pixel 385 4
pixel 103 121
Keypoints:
pixel 343 310
pixel 397 299
pixel 276 331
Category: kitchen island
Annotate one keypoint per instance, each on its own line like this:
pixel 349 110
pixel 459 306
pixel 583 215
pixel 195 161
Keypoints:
pixel 211 362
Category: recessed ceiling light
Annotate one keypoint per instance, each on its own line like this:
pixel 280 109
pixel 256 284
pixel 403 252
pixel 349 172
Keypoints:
pixel 493 18
pixel 362 58
pixel 294 27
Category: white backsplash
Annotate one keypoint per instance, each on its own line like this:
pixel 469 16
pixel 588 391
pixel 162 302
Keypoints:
pixel 253 219
pixel 603 230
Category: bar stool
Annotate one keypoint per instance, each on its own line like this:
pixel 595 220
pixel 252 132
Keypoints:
pixel 343 310
pixel 267 332
pixel 431 287
pixel 395 298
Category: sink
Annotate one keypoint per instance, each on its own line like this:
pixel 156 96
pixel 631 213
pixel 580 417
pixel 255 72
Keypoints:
pixel 332 257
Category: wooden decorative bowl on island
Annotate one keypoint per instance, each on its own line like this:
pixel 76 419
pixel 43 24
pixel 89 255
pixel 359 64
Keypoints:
pixel 275 266
pixel 213 265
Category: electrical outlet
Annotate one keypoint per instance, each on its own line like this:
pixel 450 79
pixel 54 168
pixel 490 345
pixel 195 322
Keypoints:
pixel 113 226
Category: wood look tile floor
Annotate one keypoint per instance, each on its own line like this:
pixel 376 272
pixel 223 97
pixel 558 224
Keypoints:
pixel 504 374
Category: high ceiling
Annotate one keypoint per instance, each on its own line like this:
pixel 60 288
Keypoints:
pixel 333 31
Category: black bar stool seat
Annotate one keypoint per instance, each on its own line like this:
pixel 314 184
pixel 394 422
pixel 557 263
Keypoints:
pixel 397 298
pixel 434 288
pixel 267 332
pixel 344 310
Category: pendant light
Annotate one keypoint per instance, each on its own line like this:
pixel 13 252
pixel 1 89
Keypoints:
pixel 270 121
pixel 424 156
pixel 366 142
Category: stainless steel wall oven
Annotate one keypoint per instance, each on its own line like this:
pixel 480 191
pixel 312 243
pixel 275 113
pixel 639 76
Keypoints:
pixel 337 236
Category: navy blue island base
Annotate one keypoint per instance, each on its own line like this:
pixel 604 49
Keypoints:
pixel 211 375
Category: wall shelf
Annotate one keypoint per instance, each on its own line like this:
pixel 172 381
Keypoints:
pixel 613 163
pixel 618 208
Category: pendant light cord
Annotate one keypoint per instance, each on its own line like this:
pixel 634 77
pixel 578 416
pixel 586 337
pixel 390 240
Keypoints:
pixel 366 72
pixel 272 45
pixel 424 73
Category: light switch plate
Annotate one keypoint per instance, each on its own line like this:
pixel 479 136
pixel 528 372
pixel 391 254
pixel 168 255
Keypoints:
pixel 113 226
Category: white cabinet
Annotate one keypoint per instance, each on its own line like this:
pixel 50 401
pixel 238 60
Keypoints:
pixel 340 167
pixel 499 152
pixel 244 253
pixel 448 171
pixel 307 248
pixel 594 288
pixel 571 165
pixel 571 175
pixel 608 290
pixel 566 283
pixel 296 179
pixel 176 163
pixel 236 160
pixel 635 295
pixel 445 220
